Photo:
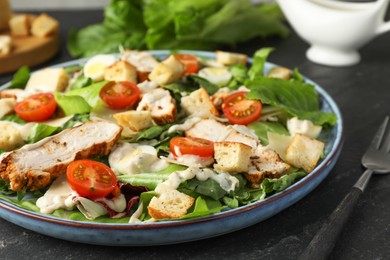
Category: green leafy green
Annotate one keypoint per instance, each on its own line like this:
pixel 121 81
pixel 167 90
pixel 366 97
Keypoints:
pixel 13 118
pixel 207 85
pixel 40 131
pixel 77 118
pixel 204 206
pixel 259 59
pixel 277 185
pixel 151 133
pixel 72 104
pixel 209 187
pixel 239 75
pixel 81 82
pixel 176 24
pixel 20 78
pixel 262 128
pixel 90 94
pixel 295 97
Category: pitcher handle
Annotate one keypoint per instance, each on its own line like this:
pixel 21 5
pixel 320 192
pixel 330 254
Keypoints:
pixel 383 28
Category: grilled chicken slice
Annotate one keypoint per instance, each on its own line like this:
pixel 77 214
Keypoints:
pixel 34 166
pixel 215 131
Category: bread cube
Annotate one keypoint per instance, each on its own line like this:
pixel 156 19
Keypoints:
pixel 170 204
pixel 199 104
pixel 44 26
pixel 230 58
pixel 232 157
pixel 20 25
pixel 135 120
pixel 10 136
pixel 5 44
pixel 48 80
pixel 280 73
pixel 168 71
pixel 121 71
pixel 304 152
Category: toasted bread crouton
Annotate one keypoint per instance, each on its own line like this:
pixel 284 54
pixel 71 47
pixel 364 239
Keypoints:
pixel 20 25
pixel 304 152
pixel 48 80
pixel 168 71
pixel 5 44
pixel 160 104
pixel 232 157
pixel 7 106
pixel 10 137
pixel 170 204
pixel 230 58
pixel 121 71
pixel 199 104
pixel 135 120
pixel 44 25
pixel 280 73
pixel 265 163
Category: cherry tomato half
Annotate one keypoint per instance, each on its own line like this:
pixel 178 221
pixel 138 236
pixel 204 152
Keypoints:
pixel 191 145
pixel 118 95
pixel 91 179
pixel 36 108
pixel 240 110
pixel 189 61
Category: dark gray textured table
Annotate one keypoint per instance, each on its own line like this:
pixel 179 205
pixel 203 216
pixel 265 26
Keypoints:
pixel 363 95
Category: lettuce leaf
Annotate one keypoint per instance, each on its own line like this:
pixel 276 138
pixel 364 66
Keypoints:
pixel 262 128
pixel 40 131
pixel 20 78
pixel 90 94
pixel 295 97
pixel 71 105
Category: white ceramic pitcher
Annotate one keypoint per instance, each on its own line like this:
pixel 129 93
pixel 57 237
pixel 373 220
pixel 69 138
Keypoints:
pixel 334 29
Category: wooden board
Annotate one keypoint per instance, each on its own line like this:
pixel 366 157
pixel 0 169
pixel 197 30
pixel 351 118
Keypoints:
pixel 29 51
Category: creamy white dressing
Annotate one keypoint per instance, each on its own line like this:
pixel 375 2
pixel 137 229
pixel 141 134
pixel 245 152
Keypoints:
pixel 225 180
pixel 133 158
pixel 56 196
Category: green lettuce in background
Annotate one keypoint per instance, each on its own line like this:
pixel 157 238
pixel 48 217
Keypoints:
pixel 176 24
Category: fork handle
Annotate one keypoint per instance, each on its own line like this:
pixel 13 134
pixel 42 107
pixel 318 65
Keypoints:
pixel 323 242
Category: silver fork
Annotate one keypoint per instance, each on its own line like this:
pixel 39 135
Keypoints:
pixel 377 160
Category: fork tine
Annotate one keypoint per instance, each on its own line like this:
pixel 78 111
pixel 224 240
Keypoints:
pixel 385 145
pixel 376 141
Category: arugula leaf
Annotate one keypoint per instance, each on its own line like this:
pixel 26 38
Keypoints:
pixel 276 185
pixel 209 187
pixel 295 97
pixel 20 78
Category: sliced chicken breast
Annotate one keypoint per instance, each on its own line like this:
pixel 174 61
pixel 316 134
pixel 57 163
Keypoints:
pixel 34 166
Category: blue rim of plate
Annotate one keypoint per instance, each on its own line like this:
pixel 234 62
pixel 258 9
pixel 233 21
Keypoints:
pixel 310 181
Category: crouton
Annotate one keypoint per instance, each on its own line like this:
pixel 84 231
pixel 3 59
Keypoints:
pixel 44 26
pixel 170 204
pixel 20 25
pixel 160 104
pixel 48 80
pixel 280 73
pixel 10 137
pixel 304 152
pixel 232 157
pixel 230 58
pixel 5 44
pixel 7 106
pixel 121 71
pixel 264 163
pixel 219 97
pixel 199 104
pixel 135 120
pixel 168 71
